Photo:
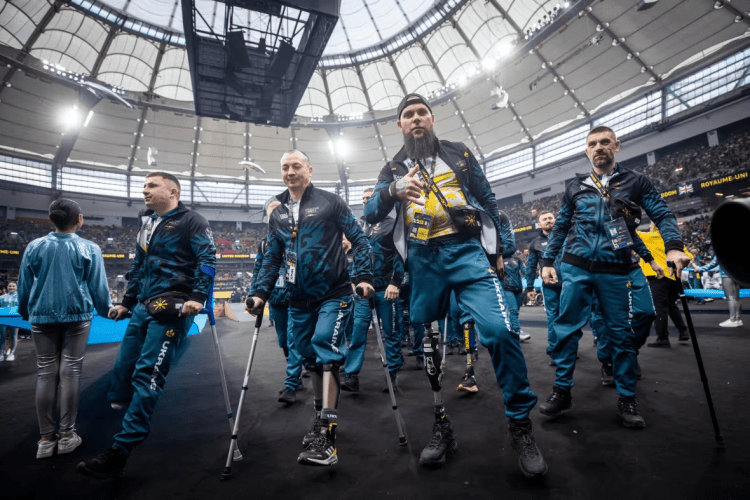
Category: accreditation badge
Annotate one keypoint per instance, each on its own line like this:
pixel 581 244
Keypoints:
pixel 291 267
pixel 420 228
pixel 618 234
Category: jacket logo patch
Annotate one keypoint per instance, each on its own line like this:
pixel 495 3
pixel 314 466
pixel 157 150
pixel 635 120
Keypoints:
pixel 284 216
pixel 629 284
pixel 170 333
pixel 492 271
pixel 466 155
pixel 343 304
pixel 160 305
pixel 310 212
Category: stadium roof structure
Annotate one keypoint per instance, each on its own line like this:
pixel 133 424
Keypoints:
pixel 501 74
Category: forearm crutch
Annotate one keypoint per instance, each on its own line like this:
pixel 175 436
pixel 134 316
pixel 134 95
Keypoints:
pixel 227 473
pixel 381 345
pixel 694 339
pixel 209 310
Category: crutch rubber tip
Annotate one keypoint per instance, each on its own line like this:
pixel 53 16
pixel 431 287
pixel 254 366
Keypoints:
pixel 402 441
pixel 237 456
pixel 226 474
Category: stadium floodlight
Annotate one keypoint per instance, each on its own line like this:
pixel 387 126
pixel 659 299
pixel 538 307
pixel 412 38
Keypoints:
pixel 71 118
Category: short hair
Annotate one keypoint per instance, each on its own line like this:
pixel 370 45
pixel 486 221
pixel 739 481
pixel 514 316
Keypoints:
pixel 168 176
pixel 12 283
pixel 368 190
pixel 296 152
pixel 600 129
pixel 542 213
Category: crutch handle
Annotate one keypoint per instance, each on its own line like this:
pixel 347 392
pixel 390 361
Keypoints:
pixel 259 318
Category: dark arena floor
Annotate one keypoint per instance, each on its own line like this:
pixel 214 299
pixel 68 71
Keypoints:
pixel 590 454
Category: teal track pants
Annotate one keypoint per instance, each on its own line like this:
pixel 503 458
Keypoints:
pixel 141 369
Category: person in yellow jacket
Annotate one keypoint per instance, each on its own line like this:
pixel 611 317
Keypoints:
pixel 664 289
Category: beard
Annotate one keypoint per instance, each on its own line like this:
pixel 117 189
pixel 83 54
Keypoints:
pixel 421 147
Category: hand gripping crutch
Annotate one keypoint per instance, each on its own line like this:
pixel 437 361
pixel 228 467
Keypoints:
pixel 694 339
pixel 227 473
pixel 381 345
pixel 209 310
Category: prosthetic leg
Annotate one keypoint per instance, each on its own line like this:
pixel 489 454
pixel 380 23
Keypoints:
pixel 442 444
pixel 322 449
pixel 227 473
pixel 469 381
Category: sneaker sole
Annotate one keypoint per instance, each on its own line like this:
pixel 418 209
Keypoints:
pixel 472 389
pixel 287 401
pixel 333 459
pixel 452 449
pixel 92 473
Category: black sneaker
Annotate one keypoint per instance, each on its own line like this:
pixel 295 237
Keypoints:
pixel 314 432
pixel 627 410
pixel 660 342
pixel 287 396
pixel 420 363
pixel 322 451
pixel 109 463
pixel 394 381
pixel 607 376
pixel 684 337
pixel 442 444
pixel 556 403
pixel 350 383
pixel 530 459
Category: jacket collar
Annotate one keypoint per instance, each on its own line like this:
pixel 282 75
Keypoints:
pixel 286 196
pixel 180 208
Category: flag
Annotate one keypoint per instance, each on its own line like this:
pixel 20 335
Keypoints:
pixel 686 189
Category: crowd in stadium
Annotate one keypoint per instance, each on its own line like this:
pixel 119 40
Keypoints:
pixel 698 162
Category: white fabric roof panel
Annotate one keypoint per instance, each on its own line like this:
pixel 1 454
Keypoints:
pixel 314 102
pixel 382 85
pixel 449 51
pixel 19 19
pixel 129 63
pixel 416 71
pixel 484 26
pixel 345 89
pixel 71 40
pixel 173 79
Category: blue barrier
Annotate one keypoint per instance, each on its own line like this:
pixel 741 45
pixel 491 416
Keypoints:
pixel 103 330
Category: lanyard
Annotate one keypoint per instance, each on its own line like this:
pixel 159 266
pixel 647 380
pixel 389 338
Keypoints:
pixel 431 184
pixel 295 223
pixel 599 186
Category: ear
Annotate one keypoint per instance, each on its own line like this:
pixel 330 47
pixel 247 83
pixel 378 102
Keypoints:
pixel 399 125
pixel 617 146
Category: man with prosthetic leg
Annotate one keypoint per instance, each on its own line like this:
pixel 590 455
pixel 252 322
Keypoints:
pixel 448 236
pixel 306 231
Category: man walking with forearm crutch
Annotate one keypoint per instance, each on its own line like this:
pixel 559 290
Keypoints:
pixel 306 231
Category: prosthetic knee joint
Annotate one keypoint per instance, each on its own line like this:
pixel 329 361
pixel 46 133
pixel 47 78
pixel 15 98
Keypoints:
pixel 432 358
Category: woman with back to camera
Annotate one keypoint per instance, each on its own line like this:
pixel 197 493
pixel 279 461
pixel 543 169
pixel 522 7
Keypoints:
pixel 61 281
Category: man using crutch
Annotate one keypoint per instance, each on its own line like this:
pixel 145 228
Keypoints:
pixel 447 222
pixel 388 272
pixel 278 307
pixel 166 288
pixel 306 232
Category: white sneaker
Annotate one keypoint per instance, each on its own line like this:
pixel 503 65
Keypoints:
pixel 46 449
pixel 523 337
pixel 10 357
pixel 731 323
pixel 2 357
pixel 68 443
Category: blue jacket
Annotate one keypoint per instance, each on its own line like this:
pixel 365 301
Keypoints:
pixel 512 280
pixel 580 223
pixel 9 300
pixel 321 263
pixel 387 268
pixel 62 280
pixel 497 236
pixel 280 295
pixel 536 250
pixel 179 247
pixel 713 267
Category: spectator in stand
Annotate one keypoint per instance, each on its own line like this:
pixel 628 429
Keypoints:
pixel 731 292
pixel 10 299
pixel 695 282
pixel 62 281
